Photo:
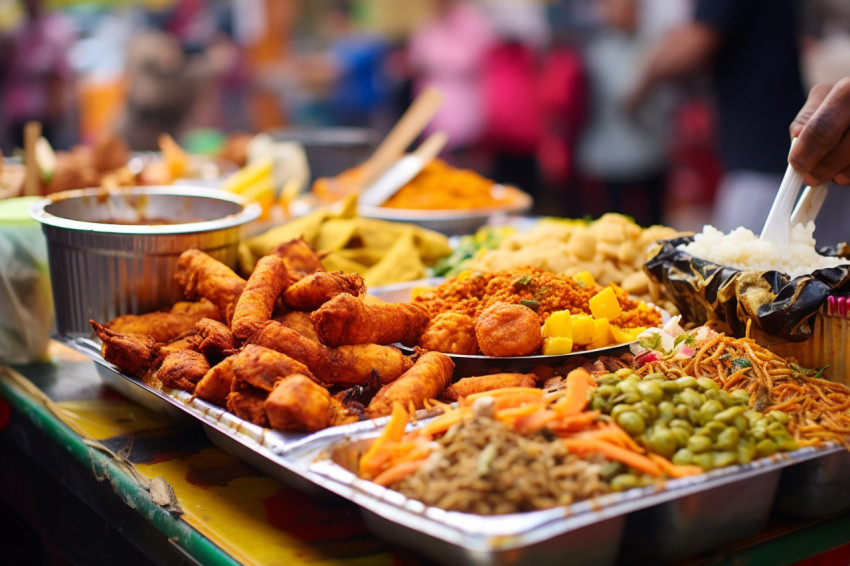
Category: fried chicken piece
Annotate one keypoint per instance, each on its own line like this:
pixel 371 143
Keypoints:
pixel 248 403
pixel 450 333
pixel 427 379
pixel 161 326
pixel 300 322
pixel 133 354
pixel 478 384
pixel 505 329
pixel 345 366
pixel 256 303
pixel 346 319
pixel 300 258
pixel 197 309
pixel 214 338
pixel 189 341
pixel 216 384
pixel 201 275
pixel 316 289
pixel 297 403
pixel 182 369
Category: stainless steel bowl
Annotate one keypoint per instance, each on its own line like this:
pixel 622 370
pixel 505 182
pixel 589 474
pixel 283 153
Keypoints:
pixel 115 251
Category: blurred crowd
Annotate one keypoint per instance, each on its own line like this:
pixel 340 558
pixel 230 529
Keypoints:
pixel 665 110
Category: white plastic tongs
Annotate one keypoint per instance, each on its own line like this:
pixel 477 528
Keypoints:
pixel 784 214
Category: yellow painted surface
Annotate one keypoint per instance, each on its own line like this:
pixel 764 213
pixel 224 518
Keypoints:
pixel 99 419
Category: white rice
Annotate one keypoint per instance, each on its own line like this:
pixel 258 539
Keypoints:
pixel 741 249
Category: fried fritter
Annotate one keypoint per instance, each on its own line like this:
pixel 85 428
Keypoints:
pixel 182 369
pixel 214 338
pixel 316 289
pixel 478 384
pixel 450 333
pixel 300 322
pixel 344 366
pixel 197 309
pixel 256 303
pixel 427 379
pixel 201 275
pixel 133 354
pixel 300 257
pixel 216 384
pixel 160 326
pixel 506 329
pixel 346 319
pixel 297 403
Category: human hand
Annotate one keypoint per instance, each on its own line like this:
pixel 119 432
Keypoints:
pixel 822 129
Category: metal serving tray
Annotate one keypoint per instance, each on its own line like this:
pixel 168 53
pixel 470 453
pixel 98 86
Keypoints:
pixel 656 523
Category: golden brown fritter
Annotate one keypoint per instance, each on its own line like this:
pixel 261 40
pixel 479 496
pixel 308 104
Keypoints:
pixel 201 275
pixel 297 403
pixel 160 326
pixel 506 329
pixel 344 366
pixel 133 354
pixel 262 367
pixel 348 320
pixel 450 333
pixel 316 289
pixel 256 303
pixel 478 384
pixel 197 310
pixel 300 322
pixel 300 257
pixel 216 384
pixel 182 369
pixel 214 338
pixel 427 379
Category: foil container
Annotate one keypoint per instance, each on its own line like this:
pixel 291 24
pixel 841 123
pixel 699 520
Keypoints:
pixel 114 252
pixel 649 525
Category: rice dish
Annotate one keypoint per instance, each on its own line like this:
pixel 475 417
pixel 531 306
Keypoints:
pixel 741 249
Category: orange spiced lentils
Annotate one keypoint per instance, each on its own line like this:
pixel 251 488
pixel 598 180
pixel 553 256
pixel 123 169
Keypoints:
pixel 540 290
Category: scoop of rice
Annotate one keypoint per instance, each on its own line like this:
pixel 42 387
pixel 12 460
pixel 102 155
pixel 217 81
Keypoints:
pixel 741 249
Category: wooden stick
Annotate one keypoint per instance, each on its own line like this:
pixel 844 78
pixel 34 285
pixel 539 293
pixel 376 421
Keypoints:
pixel 32 173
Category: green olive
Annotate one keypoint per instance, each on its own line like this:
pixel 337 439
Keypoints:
pixel 656 376
pixel 776 429
pixel 706 383
pixel 683 457
pixel 766 447
pixel 681 411
pixel 662 442
pixel 682 424
pixel 681 435
pixel 624 372
pixel 622 482
pixel 713 429
pixel 758 432
pixel 778 416
pixel 670 386
pixel 741 423
pixel 725 458
pixel 746 451
pixel 606 390
pixel 698 444
pixel 631 422
pixel 632 377
pixel 666 411
pixel 740 397
pixel 704 460
pixel 647 410
pixel 600 404
pixel 611 469
pixel 651 391
pixel 717 394
pixel 728 415
pixel 785 443
pixel 608 379
pixel 621 408
pixel 691 397
pixel 708 410
pixel 728 439
pixel 687 382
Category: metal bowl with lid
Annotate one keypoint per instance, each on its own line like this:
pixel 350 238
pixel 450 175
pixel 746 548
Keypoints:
pixel 115 251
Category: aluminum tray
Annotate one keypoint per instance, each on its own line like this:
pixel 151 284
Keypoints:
pixel 657 524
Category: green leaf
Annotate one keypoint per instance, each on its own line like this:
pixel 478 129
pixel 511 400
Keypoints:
pixel 651 341
pixel 530 303
pixel 740 363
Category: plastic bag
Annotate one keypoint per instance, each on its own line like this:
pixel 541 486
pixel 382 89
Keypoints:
pixel 778 305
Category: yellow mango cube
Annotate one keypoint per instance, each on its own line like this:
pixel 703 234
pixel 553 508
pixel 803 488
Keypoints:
pixel 601 334
pixel 558 324
pixel 583 327
pixel 585 279
pixel 624 335
pixel 419 291
pixel 555 345
pixel 604 304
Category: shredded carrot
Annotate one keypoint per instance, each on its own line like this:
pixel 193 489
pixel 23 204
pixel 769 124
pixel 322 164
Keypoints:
pixel 675 470
pixel 376 455
pixel 574 401
pixel 398 472
pixel 506 392
pixel 564 423
pixel 628 457
pixel 535 421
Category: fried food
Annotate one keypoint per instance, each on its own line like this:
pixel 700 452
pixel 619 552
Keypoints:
pixel 300 258
pixel 133 354
pixel 201 275
pixel 161 326
pixel 182 369
pixel 506 329
pixel 478 384
pixel 216 384
pixel 348 320
pixel 247 403
pixel 297 403
pixel 300 322
pixel 451 333
pixel 256 303
pixel 197 309
pixel 427 379
pixel 214 338
pixel 345 366
pixel 316 289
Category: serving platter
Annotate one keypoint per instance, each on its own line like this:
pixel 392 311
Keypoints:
pixel 669 521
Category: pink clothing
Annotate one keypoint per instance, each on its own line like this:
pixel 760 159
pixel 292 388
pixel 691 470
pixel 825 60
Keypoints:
pixel 448 54
pixel 39 55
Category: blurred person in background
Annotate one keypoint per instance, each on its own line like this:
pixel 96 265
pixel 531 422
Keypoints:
pixel 36 81
pixel 448 52
pixel 623 148
pixel 752 51
pixel 822 129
